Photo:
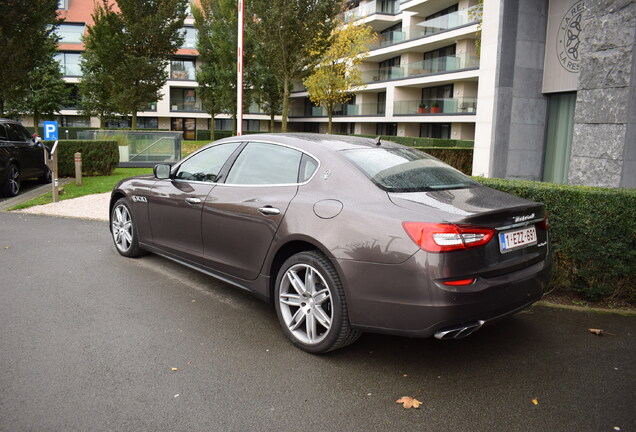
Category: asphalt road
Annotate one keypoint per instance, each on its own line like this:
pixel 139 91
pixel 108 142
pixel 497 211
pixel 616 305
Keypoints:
pixel 88 340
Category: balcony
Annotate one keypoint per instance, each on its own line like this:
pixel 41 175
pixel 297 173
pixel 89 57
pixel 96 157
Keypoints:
pixel 368 9
pixel 465 105
pixel 424 67
pixel 449 21
pixel 362 109
pixel 186 106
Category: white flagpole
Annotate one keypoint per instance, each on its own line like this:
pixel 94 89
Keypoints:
pixel 239 72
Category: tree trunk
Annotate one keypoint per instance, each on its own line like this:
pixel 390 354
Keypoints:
pixel 272 122
pixel 283 127
pixel 212 138
pixel 36 121
pixel 234 124
pixel 330 114
pixel 102 121
pixel 133 122
pixel 1 108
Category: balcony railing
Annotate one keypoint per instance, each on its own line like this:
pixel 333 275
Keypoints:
pixel 362 109
pixel 449 21
pixel 424 67
pixel 188 106
pixel 368 9
pixel 464 105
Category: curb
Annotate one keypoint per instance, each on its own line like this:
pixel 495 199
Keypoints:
pixel 623 312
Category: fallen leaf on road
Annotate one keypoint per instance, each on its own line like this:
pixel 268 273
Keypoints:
pixel 535 401
pixel 600 332
pixel 174 369
pixel 409 402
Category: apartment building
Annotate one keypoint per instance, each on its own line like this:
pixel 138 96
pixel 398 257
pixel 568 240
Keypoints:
pixel 421 75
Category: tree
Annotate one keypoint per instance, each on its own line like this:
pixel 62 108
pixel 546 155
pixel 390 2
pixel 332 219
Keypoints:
pixel 25 27
pixel 132 48
pixel 46 92
pixel 96 83
pixel 292 35
pixel 337 73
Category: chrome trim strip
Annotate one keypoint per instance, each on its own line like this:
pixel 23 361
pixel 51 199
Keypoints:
pixel 519 225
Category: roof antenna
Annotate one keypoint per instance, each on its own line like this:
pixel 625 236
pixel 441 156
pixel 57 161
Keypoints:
pixel 377 141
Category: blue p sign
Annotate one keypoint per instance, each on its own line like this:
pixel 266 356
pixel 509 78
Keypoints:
pixel 50 130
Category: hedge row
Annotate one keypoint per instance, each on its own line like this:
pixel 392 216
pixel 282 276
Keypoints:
pixel 424 142
pixel 460 158
pixel 593 236
pixel 99 157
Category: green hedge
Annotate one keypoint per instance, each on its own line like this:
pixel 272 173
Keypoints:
pixel 99 157
pixel 459 158
pixel 593 236
pixel 424 142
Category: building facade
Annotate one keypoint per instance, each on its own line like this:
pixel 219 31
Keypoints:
pixel 551 96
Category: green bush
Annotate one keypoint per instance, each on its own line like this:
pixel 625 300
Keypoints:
pixel 593 236
pixel 459 158
pixel 99 157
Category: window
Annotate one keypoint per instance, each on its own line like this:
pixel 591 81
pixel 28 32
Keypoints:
pixel 206 165
pixel 308 167
pixel 260 164
pixel 439 98
pixel 223 124
pixel 190 34
pixel 181 69
pixel 441 60
pixel 390 69
pixel 184 99
pixel 74 121
pixel 3 133
pixel 69 63
pixel 71 33
pixel 435 130
pixel 18 133
pixel 407 170
pixel 147 123
pixel 389 129
pixel 381 103
pixel 62 4
pixel 252 125
pixel 559 130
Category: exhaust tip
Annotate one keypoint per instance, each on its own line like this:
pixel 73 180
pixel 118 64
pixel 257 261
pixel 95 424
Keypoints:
pixel 460 331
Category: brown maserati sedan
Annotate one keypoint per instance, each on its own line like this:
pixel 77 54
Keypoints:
pixel 342 234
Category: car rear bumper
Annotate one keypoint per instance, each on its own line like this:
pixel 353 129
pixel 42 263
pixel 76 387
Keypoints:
pixel 381 301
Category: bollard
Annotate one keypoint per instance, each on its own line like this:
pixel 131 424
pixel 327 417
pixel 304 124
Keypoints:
pixel 78 169
pixel 54 174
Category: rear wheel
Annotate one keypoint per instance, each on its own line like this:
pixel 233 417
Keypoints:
pixel 310 304
pixel 11 187
pixel 124 230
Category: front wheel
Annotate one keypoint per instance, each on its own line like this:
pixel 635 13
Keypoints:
pixel 124 230
pixel 12 186
pixel 310 304
pixel 46 177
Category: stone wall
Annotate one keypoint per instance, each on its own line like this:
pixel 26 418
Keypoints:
pixel 604 141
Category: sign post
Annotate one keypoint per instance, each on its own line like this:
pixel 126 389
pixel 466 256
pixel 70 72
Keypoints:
pixel 51 133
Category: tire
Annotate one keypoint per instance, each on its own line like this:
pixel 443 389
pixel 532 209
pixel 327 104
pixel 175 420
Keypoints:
pixel 124 230
pixel 312 309
pixel 11 186
pixel 46 177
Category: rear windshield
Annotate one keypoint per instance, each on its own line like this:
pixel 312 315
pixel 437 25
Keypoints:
pixel 407 170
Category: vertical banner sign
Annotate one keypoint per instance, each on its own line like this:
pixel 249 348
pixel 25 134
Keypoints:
pixel 562 56
pixel 239 72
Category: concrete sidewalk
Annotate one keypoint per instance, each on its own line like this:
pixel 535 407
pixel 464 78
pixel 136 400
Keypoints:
pixel 93 207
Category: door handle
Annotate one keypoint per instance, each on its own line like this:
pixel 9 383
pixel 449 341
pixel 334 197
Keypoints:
pixel 193 200
pixel 269 211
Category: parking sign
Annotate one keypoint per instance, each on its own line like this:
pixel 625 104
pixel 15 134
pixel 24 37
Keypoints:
pixel 50 130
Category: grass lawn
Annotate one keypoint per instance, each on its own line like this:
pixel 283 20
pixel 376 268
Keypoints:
pixel 92 185
pixel 188 147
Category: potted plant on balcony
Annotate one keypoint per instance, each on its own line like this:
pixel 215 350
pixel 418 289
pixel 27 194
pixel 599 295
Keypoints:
pixel 422 108
pixel 435 108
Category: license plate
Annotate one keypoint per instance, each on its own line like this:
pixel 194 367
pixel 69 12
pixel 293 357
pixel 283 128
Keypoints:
pixel 517 239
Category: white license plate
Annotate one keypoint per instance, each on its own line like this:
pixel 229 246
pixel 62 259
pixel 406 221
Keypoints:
pixel 517 239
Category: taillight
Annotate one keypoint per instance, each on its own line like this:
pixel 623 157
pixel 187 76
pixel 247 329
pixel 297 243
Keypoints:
pixel 544 224
pixel 434 237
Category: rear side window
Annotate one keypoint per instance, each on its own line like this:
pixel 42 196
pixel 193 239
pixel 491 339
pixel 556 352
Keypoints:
pixel 407 170
pixel 265 164
pixel 3 133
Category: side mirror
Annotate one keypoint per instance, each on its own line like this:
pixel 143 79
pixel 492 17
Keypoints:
pixel 162 171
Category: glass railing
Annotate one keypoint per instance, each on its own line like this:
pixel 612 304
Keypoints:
pixel 387 39
pixel 465 105
pixel 449 21
pixel 367 9
pixel 191 106
pixel 424 67
pixel 362 109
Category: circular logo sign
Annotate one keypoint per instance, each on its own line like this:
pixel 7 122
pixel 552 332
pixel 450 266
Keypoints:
pixel 567 43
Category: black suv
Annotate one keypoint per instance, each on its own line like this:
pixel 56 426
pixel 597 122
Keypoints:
pixel 21 157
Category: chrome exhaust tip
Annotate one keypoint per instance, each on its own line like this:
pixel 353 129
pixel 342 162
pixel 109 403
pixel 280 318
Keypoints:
pixel 459 332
